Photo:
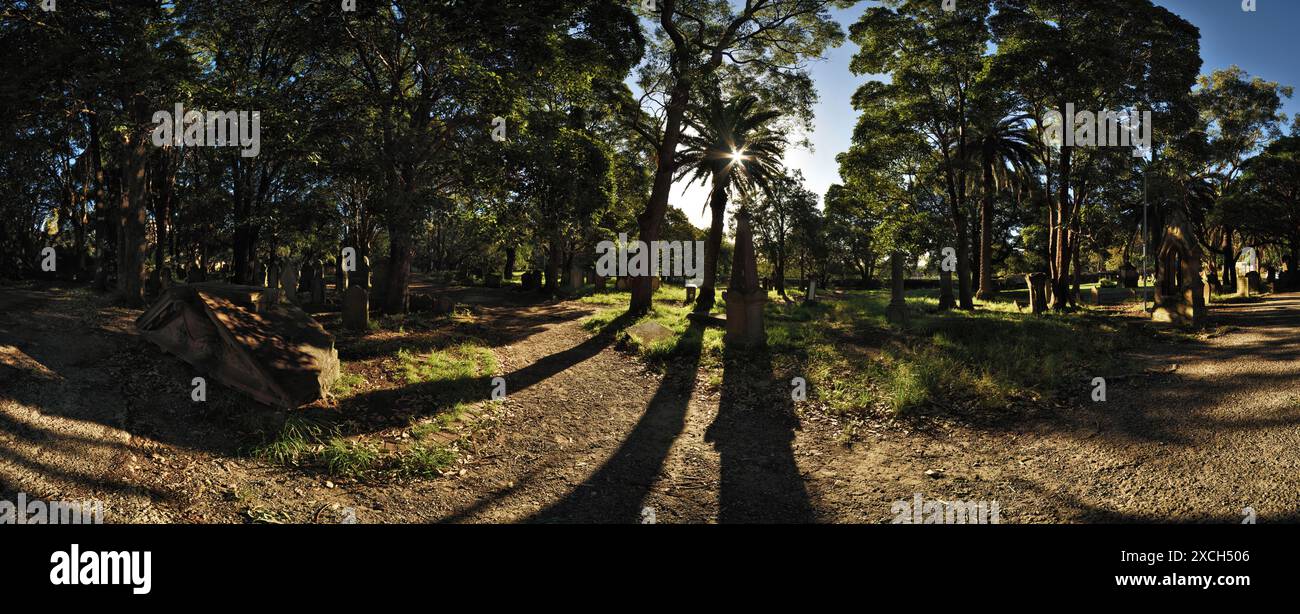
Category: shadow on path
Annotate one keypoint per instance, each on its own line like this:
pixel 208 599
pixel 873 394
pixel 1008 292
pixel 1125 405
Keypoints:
pixel 615 492
pixel 753 435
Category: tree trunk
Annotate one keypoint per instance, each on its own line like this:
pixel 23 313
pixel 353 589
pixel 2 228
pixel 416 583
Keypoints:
pixel 401 254
pixel 1229 260
pixel 132 248
pixel 712 248
pixel 510 263
pixel 1061 256
pixel 963 263
pixel 554 258
pixel 986 289
pixel 652 218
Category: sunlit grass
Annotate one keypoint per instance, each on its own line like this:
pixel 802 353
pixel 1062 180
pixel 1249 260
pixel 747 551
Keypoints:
pixel 858 364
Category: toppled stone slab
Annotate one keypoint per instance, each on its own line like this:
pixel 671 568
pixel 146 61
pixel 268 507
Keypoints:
pixel 647 333
pixel 247 338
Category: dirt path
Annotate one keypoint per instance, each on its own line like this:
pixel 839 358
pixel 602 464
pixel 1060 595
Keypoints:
pixel 587 434
pixel 1219 434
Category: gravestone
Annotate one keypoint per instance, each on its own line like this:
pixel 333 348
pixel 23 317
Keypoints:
pixel 1091 296
pixel 340 278
pixel 361 276
pixel 896 311
pixel 1254 282
pixel 690 293
pixel 318 283
pixel 356 308
pixel 1128 276
pixel 1179 299
pixel 289 281
pixel 1037 283
pixel 744 296
pixel 379 271
pixel 531 281
pixel 811 297
pixel 647 333
pixel 946 300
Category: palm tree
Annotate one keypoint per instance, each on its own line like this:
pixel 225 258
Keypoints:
pixel 1006 149
pixel 733 145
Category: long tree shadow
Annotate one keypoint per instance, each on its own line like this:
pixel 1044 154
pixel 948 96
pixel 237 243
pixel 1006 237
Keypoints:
pixel 616 492
pixel 753 434
pixel 395 407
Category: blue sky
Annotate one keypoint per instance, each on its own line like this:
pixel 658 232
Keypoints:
pixel 1264 43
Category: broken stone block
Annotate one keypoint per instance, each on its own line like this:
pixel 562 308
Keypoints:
pixel 245 338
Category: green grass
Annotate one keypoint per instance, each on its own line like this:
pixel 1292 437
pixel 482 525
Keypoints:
pixel 295 442
pixel 425 461
pixel 353 459
pixel 461 362
pixel 346 383
pixel 856 363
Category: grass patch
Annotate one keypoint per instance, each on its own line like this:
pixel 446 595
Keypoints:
pixel 295 442
pixel 353 459
pixel 425 461
pixel 347 383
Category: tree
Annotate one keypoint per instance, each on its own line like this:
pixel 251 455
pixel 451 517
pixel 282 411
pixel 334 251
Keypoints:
pixel 732 147
pixel 698 37
pixel 776 215
pixel 1006 149
pixel 935 58
pixel 1098 56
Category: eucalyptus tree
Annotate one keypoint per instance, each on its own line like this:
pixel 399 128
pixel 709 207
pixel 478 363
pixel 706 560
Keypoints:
pixel 935 59
pixel 1097 56
pixel 441 79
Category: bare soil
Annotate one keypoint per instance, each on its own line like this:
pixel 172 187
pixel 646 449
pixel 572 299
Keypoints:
pixel 588 433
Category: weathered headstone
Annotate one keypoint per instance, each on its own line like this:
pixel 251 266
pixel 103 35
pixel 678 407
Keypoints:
pixel 379 272
pixel 1254 282
pixel 356 308
pixel 811 296
pixel 744 296
pixel 340 278
pixel 531 280
pixel 1179 298
pixel 690 293
pixel 289 281
pixel 1037 283
pixel 1128 276
pixel 946 300
pixel 361 276
pixel 318 283
pixel 896 311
